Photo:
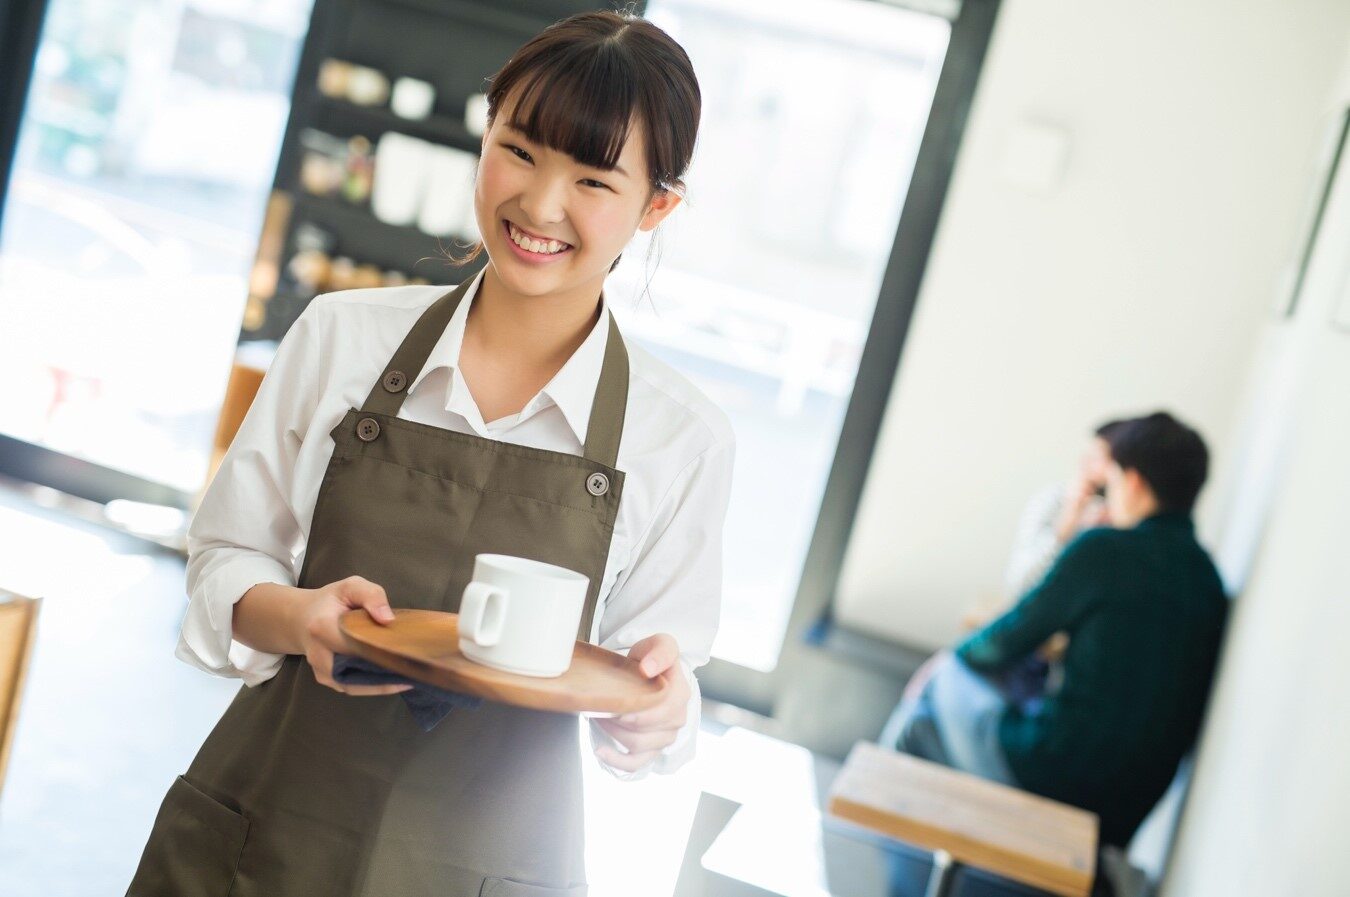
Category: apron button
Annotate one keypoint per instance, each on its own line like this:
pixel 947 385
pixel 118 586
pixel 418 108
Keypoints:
pixel 367 429
pixel 394 381
pixel 597 484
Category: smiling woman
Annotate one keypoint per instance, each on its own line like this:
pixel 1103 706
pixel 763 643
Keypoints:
pixel 504 416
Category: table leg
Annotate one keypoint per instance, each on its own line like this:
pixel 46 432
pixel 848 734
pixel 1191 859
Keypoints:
pixel 944 872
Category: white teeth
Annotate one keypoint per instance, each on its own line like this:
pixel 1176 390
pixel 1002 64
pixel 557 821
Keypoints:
pixel 543 247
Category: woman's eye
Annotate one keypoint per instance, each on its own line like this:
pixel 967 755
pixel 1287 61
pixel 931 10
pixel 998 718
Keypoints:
pixel 520 153
pixel 592 182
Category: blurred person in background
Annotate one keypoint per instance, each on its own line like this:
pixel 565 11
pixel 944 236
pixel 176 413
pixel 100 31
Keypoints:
pixel 1050 520
pixel 1143 607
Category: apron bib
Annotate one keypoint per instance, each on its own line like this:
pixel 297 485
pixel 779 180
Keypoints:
pixel 302 791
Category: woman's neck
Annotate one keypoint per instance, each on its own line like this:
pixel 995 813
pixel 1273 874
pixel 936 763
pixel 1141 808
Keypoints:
pixel 535 330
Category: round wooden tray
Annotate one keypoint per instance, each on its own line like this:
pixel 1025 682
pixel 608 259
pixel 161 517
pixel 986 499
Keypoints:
pixel 424 645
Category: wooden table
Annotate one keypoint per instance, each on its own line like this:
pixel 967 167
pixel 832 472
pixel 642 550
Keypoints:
pixel 967 820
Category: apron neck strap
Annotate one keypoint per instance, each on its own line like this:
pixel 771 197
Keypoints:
pixel 605 427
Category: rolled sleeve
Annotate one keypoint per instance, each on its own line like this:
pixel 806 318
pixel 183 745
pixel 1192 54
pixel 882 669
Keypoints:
pixel 245 530
pixel 674 586
pixel 206 638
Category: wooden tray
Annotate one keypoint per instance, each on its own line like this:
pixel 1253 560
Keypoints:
pixel 424 645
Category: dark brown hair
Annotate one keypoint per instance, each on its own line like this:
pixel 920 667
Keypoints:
pixel 582 82
pixel 1170 456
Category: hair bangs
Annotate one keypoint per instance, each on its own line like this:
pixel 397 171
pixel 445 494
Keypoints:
pixel 579 103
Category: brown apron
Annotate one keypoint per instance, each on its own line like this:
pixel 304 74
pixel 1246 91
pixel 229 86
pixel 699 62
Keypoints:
pixel 300 791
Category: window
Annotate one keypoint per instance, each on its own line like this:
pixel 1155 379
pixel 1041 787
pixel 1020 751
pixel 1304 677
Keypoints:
pixel 768 277
pixel 145 156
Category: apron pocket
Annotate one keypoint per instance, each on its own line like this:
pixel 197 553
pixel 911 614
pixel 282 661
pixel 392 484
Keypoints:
pixel 194 846
pixel 505 887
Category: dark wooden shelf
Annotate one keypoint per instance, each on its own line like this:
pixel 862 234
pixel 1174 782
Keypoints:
pixel 365 239
pixel 348 215
pixel 372 121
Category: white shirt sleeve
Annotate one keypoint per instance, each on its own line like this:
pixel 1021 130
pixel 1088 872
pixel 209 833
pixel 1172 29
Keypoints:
pixel 674 585
pixel 245 530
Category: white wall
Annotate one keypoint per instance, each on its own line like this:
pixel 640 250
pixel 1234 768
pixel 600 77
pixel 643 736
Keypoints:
pixel 1140 280
pixel 1268 811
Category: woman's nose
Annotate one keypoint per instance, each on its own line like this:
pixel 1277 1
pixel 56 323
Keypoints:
pixel 544 200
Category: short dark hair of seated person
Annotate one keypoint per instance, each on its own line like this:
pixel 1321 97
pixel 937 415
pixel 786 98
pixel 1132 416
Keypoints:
pixel 1170 456
pixel 1144 609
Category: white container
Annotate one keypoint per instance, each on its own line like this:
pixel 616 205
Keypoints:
pixel 475 114
pixel 402 164
pixel 367 86
pixel 449 192
pixel 412 99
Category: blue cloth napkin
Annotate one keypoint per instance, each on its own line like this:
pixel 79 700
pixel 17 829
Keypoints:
pixel 429 704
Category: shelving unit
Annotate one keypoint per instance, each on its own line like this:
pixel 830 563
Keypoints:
pixel 453 44
pixel 337 116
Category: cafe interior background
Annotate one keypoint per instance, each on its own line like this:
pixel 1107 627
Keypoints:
pixel 929 245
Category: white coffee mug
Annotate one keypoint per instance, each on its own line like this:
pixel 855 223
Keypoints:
pixel 520 615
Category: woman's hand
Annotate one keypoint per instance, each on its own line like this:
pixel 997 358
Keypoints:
pixel 321 638
pixel 645 733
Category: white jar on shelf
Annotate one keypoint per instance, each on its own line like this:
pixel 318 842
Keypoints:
pixel 449 193
pixel 402 167
pixel 412 98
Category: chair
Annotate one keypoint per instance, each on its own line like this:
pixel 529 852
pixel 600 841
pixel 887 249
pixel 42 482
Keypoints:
pixel 18 625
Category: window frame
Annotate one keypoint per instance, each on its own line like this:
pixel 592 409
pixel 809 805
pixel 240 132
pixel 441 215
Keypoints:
pixel 972 29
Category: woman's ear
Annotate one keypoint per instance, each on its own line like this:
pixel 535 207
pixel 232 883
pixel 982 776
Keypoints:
pixel 663 202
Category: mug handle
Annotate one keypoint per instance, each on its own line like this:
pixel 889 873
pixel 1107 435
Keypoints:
pixel 479 621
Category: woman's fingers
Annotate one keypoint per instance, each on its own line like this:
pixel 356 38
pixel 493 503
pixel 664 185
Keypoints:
pixel 362 691
pixel 655 654
pixel 626 762
pixel 321 663
pixel 666 715
pixel 636 742
pixel 360 592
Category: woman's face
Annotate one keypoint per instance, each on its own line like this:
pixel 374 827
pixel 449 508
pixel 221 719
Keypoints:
pixel 573 219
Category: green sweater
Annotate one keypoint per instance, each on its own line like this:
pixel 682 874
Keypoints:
pixel 1144 609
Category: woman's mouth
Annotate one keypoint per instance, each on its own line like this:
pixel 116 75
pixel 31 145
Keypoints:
pixel 531 247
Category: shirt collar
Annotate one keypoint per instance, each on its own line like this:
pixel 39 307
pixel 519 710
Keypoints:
pixel 572 388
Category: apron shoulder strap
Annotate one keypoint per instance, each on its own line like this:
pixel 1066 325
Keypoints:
pixel 605 428
pixel 387 395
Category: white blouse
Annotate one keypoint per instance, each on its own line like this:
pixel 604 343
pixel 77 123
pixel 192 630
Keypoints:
pixel 664 572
